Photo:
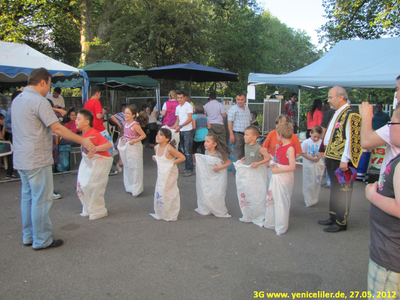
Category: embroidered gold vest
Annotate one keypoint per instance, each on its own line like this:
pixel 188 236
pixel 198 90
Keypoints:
pixel 337 141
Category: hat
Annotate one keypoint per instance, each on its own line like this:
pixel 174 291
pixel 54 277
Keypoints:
pixel 346 176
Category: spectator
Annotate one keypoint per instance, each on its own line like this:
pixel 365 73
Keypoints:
pixel 314 116
pixel 33 121
pixel 215 113
pixel 56 98
pixel 153 116
pixel 168 110
pixel 291 110
pixel 69 121
pixel 238 119
pixel 254 121
pixel 380 117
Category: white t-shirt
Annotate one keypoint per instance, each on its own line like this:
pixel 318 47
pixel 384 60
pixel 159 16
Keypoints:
pixel 182 112
pixel 391 151
pixel 310 147
pixel 56 101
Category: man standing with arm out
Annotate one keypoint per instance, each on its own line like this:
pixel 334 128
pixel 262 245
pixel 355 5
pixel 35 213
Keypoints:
pixel 32 122
pixel 238 119
pixel 342 138
pixel 215 112
pixel 183 125
pixel 383 273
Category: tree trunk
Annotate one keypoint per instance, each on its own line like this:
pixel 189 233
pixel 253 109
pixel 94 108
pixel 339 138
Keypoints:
pixel 86 30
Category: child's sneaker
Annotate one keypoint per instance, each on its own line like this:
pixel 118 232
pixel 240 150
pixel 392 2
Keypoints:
pixel 113 172
pixel 56 195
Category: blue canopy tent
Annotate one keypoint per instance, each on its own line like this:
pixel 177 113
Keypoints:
pixel 18 60
pixel 350 64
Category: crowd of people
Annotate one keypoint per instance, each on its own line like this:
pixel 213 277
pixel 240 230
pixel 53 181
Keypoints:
pixel 196 136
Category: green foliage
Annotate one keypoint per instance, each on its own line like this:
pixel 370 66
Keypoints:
pixel 364 19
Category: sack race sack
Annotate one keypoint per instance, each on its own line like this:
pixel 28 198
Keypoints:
pixel 132 158
pixel 91 185
pixel 312 175
pixel 251 196
pixel 211 187
pixel 167 201
pixel 277 207
pixel 64 153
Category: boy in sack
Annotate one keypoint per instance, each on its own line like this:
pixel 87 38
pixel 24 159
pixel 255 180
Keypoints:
pixel 93 169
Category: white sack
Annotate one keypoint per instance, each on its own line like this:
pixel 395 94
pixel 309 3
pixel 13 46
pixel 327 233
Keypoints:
pixel 91 185
pixel 174 136
pixel 251 185
pixel 132 158
pixel 278 202
pixel 312 175
pixel 167 202
pixel 211 187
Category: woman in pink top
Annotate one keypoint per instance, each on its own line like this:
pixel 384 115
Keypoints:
pixel 314 116
pixel 69 121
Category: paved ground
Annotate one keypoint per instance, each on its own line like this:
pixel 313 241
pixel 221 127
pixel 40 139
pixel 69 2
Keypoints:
pixel 129 255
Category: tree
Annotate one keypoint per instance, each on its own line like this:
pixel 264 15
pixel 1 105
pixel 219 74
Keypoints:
pixel 364 19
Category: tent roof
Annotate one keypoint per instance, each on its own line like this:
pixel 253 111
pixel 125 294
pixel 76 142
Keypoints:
pixel 117 83
pixel 18 60
pixel 350 64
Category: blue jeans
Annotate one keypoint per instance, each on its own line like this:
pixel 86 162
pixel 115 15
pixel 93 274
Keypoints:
pixel 186 144
pixel 36 200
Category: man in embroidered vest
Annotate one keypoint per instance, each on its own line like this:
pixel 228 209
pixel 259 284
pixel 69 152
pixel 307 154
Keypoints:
pixel 343 149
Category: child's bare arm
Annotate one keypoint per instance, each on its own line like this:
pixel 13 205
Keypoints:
pixel 175 153
pixel 226 164
pixel 309 157
pixel 104 147
pixel 141 133
pixel 390 206
pixel 292 162
pixel 266 159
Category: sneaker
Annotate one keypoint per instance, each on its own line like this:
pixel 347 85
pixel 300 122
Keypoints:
pixel 113 172
pixel 56 195
pixel 187 174
pixel 119 169
pixel 54 244
pixel 11 177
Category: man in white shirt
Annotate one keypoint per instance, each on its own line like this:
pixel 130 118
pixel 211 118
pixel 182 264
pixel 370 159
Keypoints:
pixel 215 113
pixel 57 99
pixel 183 125
pixel 343 147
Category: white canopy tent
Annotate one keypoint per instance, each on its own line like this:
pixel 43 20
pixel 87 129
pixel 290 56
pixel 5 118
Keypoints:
pixel 18 60
pixel 350 64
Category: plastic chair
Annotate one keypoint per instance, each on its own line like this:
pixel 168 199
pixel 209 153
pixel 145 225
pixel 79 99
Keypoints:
pixel 6 153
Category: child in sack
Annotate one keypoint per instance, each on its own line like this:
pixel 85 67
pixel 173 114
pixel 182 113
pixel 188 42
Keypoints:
pixel 281 185
pixel 166 195
pixel 252 168
pixel 212 178
pixel 93 169
pixel 313 166
pixel 131 150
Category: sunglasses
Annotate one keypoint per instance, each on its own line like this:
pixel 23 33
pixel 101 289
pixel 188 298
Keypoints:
pixel 392 123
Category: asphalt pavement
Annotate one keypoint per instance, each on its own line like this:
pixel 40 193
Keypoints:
pixel 130 255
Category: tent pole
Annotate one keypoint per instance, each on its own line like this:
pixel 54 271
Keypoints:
pixel 298 112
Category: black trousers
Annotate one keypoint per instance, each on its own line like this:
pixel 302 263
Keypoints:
pixel 340 197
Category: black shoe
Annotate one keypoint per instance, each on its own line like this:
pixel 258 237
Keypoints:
pixel 28 244
pixel 54 244
pixel 325 186
pixel 335 228
pixel 326 222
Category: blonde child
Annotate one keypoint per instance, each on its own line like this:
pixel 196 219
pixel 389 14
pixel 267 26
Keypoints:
pixel 131 151
pixel 212 178
pixel 93 169
pixel 166 194
pixel 313 166
pixel 281 185
pixel 252 168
